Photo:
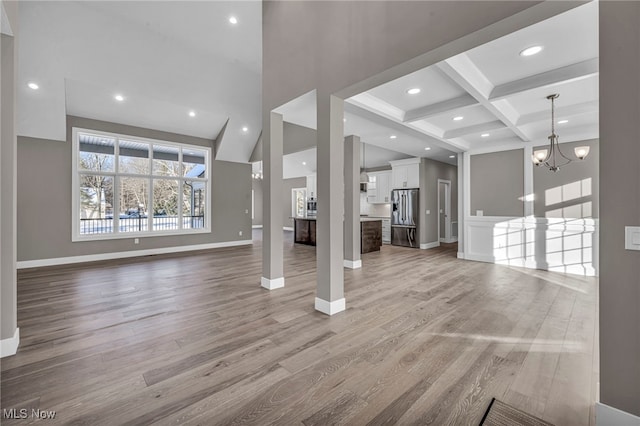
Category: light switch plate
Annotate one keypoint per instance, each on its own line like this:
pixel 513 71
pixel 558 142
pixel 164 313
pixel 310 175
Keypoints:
pixel 428 211
pixel 632 237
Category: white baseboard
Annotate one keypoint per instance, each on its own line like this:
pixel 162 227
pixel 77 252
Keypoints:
pixel 449 240
pixel 352 264
pixel 124 254
pixel 9 346
pixel 480 257
pixel 609 416
pixel 461 255
pixel 287 228
pixel 433 244
pixel 330 308
pixel 256 226
pixel 272 284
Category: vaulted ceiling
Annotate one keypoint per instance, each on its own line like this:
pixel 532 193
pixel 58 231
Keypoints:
pixel 170 58
pixel 165 58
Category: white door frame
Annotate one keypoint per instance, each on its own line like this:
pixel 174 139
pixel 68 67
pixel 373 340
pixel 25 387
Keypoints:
pixel 447 212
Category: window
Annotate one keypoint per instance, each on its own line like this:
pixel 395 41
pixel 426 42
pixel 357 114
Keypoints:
pixel 125 186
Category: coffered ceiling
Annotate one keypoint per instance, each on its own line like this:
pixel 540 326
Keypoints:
pixel 495 97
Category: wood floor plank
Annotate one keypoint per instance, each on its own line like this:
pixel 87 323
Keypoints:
pixel 192 338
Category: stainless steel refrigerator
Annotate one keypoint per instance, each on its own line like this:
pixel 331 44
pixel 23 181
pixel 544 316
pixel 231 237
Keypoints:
pixel 405 218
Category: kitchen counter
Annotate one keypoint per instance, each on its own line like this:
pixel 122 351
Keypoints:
pixel 304 232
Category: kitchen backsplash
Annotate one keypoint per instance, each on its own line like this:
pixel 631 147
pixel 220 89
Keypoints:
pixel 380 210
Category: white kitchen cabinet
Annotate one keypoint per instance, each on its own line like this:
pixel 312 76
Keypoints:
pixel 312 186
pixel 379 187
pixel 372 188
pixel 405 173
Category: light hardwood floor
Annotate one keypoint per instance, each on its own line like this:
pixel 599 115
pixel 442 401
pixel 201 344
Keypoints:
pixel 193 339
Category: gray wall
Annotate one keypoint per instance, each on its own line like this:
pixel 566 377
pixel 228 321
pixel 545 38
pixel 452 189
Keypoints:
pixel 620 205
pixel 256 186
pixel 571 192
pixel 430 172
pixel 295 139
pixel 287 186
pixel 300 55
pixel 497 183
pixel 44 198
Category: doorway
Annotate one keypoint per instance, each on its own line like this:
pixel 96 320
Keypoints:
pixel 444 211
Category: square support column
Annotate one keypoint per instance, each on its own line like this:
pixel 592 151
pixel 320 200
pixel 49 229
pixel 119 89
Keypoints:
pixel 330 244
pixel 272 251
pixel 352 202
pixel 9 332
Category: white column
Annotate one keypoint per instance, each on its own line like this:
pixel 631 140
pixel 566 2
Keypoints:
pixel 330 164
pixel 272 251
pixel 462 190
pixel 9 332
pixel 352 202
pixel 466 194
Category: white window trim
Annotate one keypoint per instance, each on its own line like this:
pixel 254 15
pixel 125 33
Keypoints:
pixel 75 199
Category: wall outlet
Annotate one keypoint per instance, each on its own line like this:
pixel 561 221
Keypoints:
pixel 246 211
pixel 479 212
pixel 136 241
pixel 240 233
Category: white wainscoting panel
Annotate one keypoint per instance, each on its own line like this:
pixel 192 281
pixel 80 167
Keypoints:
pixel 553 244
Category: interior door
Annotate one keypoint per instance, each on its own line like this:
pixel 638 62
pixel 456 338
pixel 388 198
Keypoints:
pixel 444 210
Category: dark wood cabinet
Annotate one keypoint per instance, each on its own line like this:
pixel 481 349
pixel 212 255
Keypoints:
pixel 304 231
pixel 370 236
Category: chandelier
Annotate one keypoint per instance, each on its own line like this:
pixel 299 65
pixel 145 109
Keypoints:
pixel 553 157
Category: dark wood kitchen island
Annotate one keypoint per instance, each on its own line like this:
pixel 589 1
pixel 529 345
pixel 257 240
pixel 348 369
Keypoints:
pixel 304 232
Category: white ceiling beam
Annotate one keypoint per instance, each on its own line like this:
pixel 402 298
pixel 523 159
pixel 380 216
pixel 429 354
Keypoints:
pixel 563 111
pixel 439 107
pixel 355 107
pixel 464 72
pixel 559 75
pixel 477 128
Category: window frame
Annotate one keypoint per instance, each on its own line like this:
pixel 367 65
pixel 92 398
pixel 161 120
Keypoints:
pixel 76 172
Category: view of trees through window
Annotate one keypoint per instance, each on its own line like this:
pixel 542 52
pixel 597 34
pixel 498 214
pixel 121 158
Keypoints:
pixel 132 186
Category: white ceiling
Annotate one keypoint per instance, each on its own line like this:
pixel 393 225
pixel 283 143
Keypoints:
pixel 495 90
pixel 166 58
pixel 501 93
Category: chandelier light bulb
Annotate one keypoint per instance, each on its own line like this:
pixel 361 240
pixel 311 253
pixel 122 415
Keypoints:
pixel 581 152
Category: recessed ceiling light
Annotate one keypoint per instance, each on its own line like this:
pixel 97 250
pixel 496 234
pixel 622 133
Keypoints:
pixel 33 86
pixel 192 113
pixel 485 135
pixel 458 118
pixel 119 98
pixel 452 156
pixel 233 20
pixel 428 148
pixel 413 91
pixel 392 137
pixel 563 121
pixel 304 163
pixel 245 129
pixel 530 51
